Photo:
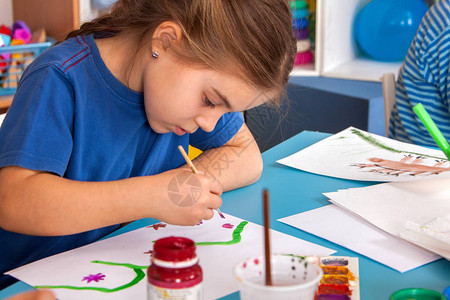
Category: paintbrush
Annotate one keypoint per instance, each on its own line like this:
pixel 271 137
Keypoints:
pixel 194 170
pixel 267 237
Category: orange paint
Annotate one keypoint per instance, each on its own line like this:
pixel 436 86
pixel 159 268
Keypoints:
pixel 334 279
pixel 335 282
pixel 335 270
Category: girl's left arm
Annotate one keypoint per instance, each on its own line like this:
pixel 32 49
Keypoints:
pixel 237 163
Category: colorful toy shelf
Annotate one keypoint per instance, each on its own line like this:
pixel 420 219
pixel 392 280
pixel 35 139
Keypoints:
pixel 336 54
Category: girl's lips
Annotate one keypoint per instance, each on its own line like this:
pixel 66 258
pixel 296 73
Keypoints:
pixel 179 131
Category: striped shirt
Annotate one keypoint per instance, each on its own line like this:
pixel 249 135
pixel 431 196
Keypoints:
pixel 425 78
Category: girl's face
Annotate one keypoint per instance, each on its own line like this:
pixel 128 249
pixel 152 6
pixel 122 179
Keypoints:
pixel 181 99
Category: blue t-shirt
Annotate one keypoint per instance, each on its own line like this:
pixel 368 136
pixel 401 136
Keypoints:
pixel 71 117
pixel 425 78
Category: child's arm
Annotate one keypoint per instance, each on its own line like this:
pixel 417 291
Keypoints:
pixel 238 163
pixel 38 203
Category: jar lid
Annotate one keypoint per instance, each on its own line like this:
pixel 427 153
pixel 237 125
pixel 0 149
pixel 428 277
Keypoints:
pixel 417 294
pixel 174 248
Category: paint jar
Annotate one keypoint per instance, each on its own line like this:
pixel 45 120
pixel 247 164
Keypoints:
pixel 293 277
pixel 417 294
pixel 174 272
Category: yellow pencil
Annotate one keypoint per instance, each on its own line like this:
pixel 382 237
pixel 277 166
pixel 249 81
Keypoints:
pixel 194 170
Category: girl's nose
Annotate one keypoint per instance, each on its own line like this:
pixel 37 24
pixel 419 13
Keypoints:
pixel 207 122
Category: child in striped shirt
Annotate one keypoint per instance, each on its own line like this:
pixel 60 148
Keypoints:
pixel 425 78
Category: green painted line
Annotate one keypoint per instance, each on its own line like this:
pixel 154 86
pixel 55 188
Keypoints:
pixel 371 140
pixel 137 269
pixel 236 237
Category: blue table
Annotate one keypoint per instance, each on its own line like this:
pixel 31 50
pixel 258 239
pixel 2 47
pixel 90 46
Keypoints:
pixel 293 191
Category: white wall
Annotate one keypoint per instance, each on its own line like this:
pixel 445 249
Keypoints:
pixel 87 11
pixel 6 12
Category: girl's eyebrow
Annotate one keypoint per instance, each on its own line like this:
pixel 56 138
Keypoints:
pixel 223 98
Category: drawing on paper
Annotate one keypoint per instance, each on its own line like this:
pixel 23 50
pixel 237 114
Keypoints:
pixel 97 277
pixel 138 270
pixel 373 141
pixel 406 166
pixel 409 165
pixel 138 277
pixel 358 155
pixel 157 226
pixel 122 260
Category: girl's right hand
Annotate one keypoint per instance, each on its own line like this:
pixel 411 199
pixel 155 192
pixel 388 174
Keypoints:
pixel 187 198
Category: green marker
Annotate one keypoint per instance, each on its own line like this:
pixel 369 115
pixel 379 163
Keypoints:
pixel 432 129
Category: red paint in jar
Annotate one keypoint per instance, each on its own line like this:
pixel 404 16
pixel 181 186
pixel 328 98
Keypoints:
pixel 174 272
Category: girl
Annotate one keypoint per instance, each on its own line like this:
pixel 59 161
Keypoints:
pixel 91 138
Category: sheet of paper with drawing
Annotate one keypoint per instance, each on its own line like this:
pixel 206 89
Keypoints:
pixel 418 211
pixel 358 155
pixel 115 268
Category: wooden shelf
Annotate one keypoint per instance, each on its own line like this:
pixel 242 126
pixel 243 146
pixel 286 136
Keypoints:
pixel 57 17
pixel 336 55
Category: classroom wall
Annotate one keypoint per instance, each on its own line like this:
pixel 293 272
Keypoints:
pixel 87 11
pixel 6 12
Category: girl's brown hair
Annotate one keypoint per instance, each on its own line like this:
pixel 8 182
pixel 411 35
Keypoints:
pixel 253 36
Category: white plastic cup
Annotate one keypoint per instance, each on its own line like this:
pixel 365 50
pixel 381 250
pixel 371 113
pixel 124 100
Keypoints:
pixel 292 278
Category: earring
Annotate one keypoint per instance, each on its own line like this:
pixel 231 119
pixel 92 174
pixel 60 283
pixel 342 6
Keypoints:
pixel 155 54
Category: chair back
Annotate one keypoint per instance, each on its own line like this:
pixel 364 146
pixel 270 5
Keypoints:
pixel 388 85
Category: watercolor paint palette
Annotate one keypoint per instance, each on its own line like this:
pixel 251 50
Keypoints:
pixel 340 279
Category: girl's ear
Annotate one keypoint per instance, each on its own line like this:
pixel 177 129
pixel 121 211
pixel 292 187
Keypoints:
pixel 166 33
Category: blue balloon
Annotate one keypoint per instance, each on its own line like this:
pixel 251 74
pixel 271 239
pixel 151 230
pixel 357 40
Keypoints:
pixel 384 29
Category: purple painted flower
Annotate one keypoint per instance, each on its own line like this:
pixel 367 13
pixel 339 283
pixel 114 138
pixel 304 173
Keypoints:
pixel 97 277
pixel 228 225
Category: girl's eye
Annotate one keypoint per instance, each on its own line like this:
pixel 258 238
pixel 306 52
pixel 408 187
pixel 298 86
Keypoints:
pixel 207 102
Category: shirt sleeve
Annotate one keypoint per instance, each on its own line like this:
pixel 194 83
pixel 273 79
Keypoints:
pixel 37 131
pixel 226 128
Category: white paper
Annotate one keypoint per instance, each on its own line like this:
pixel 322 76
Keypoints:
pixel 434 235
pixel 340 227
pixel 217 261
pixel 358 155
pixel 391 206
